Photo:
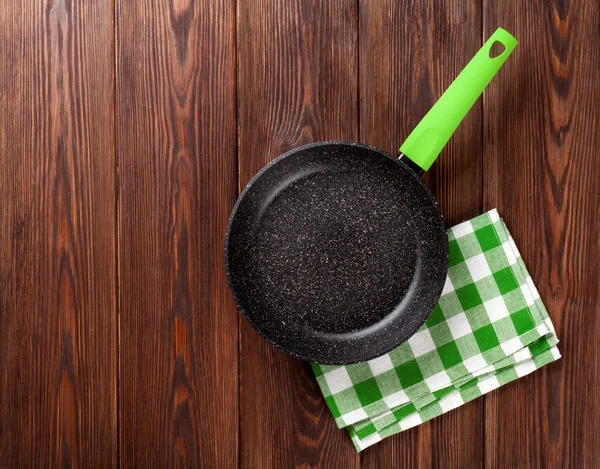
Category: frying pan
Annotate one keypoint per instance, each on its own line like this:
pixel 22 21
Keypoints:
pixel 337 252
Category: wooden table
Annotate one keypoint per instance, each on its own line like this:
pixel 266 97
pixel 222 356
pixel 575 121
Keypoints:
pixel 127 129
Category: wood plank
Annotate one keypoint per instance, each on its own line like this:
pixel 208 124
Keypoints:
pixel 542 137
pixel 297 84
pixel 58 323
pixel 177 165
pixel 409 54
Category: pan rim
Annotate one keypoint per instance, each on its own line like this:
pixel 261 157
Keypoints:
pixel 236 206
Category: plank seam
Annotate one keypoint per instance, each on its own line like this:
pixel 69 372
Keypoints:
pixel 237 185
pixel 117 241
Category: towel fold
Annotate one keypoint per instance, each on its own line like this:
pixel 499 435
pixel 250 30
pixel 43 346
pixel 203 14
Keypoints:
pixel 489 327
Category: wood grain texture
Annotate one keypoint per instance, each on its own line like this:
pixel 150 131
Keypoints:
pixel 177 165
pixel 58 349
pixel 120 344
pixel 297 84
pixel 542 135
pixel 409 55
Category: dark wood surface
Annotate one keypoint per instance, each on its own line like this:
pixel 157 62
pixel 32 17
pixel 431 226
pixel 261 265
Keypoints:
pixel 541 148
pixel 58 276
pixel 176 147
pixel 129 127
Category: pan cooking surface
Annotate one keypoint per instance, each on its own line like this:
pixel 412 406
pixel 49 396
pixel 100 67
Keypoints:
pixel 333 245
pixel 334 251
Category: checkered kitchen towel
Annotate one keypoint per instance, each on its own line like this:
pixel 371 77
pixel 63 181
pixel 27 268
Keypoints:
pixel 489 328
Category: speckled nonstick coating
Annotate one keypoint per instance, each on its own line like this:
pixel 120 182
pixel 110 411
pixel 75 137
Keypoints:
pixel 336 252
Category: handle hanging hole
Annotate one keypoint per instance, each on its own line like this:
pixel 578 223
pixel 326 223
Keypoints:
pixel 497 49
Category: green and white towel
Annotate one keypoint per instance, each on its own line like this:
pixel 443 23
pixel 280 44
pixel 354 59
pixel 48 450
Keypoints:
pixel 489 327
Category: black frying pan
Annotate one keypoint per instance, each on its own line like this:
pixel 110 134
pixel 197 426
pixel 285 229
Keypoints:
pixel 337 252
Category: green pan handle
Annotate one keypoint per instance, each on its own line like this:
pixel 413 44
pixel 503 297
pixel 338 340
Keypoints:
pixel 425 143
